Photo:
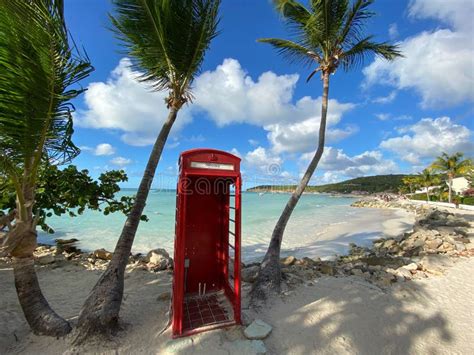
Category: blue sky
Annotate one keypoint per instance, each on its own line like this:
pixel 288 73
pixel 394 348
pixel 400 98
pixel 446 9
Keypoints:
pixel 383 117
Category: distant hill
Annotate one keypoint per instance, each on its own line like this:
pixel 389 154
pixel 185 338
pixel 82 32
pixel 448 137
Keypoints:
pixel 367 184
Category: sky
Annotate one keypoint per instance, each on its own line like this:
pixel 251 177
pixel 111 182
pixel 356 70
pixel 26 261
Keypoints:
pixel 384 117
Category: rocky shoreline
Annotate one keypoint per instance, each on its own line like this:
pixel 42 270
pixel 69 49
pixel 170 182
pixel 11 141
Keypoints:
pixel 65 252
pixel 437 241
pixel 390 201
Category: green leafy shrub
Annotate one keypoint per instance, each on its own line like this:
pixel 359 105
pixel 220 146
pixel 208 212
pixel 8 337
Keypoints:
pixel 468 200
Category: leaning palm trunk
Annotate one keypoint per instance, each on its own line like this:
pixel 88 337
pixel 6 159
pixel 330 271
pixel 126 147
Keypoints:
pixel 269 275
pixel 21 239
pixel 100 312
pixel 39 315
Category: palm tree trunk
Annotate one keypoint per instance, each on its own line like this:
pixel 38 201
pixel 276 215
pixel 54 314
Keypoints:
pixel 269 275
pixel 450 188
pixel 39 315
pixel 100 312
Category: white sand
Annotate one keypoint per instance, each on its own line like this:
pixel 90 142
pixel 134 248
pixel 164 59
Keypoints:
pixel 335 316
pixel 349 316
pixel 342 315
pixel 366 225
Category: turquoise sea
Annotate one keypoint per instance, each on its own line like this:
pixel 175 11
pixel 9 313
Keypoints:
pixel 314 214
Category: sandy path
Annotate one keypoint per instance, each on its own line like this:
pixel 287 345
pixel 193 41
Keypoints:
pixel 338 315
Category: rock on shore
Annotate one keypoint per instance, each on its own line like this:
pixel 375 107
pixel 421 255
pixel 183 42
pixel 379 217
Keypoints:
pixel 389 201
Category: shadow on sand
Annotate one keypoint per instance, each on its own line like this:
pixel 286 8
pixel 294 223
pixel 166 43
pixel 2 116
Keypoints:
pixel 348 315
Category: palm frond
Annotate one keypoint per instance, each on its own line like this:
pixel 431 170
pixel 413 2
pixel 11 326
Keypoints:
pixel 331 32
pixel 294 14
pixel 37 69
pixel 327 19
pixel 293 52
pixel 355 21
pixel 452 164
pixel 356 55
pixel 166 39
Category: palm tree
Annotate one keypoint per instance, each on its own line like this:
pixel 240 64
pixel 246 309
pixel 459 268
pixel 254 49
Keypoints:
pixel 37 68
pixel 167 41
pixel 411 182
pixel 469 175
pixel 451 165
pixel 328 35
pixel 427 179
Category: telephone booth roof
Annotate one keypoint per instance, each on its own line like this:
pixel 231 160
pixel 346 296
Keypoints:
pixel 210 162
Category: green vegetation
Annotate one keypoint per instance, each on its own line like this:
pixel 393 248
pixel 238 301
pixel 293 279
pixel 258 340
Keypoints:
pixel 468 200
pixel 453 166
pixel 70 191
pixel 367 184
pixel 432 179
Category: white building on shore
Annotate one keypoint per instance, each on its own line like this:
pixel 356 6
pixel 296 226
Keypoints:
pixel 460 184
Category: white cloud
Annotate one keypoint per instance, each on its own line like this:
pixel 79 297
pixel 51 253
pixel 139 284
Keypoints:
pixel 263 162
pixel 437 64
pixel 428 138
pixel 386 99
pixel 382 116
pixel 329 177
pixel 236 152
pixel 120 161
pixel 302 135
pixel 229 95
pixel 196 138
pixel 336 134
pixel 457 13
pixel 127 105
pixel 173 144
pixel 393 31
pixel 402 118
pixel 253 142
pixel 104 149
pixel 338 165
pixel 389 116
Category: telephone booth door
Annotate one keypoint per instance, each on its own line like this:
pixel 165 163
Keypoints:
pixel 206 282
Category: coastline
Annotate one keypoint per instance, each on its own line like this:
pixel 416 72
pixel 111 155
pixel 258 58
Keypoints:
pixel 365 225
pixel 310 236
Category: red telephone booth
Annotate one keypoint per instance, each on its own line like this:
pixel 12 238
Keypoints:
pixel 206 283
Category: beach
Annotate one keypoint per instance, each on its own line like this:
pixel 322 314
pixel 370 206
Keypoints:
pixel 344 313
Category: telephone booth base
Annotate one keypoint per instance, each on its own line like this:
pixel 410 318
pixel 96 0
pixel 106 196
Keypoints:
pixel 203 313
